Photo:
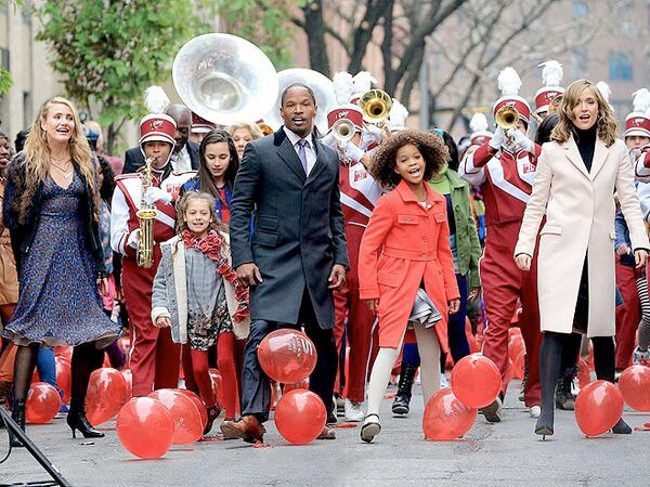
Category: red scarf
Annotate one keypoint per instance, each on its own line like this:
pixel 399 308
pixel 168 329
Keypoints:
pixel 212 246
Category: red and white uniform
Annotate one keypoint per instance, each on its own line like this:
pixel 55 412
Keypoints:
pixel 505 180
pixel 359 194
pixel 154 357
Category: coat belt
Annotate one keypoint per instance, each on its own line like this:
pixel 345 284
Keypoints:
pixel 411 254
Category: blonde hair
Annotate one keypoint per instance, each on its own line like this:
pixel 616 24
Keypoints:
pixel 184 203
pixel 253 128
pixel 605 121
pixel 37 157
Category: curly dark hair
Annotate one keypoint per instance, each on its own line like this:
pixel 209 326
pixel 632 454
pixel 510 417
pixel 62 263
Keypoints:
pixel 431 147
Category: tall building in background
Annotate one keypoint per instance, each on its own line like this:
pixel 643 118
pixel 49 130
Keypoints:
pixel 34 81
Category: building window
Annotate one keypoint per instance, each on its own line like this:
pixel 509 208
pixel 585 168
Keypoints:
pixel 579 10
pixel 620 67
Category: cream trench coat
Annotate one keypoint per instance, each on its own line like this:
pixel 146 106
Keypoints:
pixel 580 212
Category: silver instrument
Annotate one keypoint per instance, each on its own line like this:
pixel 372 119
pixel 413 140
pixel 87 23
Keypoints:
pixel 323 91
pixel 225 79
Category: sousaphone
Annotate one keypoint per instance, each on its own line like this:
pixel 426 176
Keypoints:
pixel 323 91
pixel 225 79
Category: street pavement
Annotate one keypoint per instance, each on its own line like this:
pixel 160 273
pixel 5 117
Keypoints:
pixel 504 454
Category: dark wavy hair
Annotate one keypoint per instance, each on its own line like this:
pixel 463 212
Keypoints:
pixel 206 184
pixel 453 160
pixel 108 184
pixel 431 146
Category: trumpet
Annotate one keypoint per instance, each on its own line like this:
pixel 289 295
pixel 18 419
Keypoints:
pixel 146 214
pixel 507 118
pixel 343 130
pixel 375 105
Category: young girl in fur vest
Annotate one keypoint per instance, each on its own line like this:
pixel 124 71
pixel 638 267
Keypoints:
pixel 195 292
pixel 404 248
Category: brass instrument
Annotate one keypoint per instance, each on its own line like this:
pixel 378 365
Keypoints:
pixel 343 130
pixel 146 214
pixel 375 105
pixel 224 78
pixel 507 118
pixel 320 84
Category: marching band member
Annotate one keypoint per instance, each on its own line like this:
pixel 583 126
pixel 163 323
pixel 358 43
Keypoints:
pixel 632 282
pixel 154 358
pixel 200 127
pixel 552 76
pixel 359 193
pixel 504 168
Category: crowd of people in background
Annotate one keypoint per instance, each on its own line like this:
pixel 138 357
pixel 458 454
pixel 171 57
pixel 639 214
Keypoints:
pixel 393 249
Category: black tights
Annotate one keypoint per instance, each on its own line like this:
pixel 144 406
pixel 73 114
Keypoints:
pixel 85 359
pixel 552 354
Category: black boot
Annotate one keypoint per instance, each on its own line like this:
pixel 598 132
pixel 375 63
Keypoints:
pixel 404 391
pixel 549 370
pixel 77 420
pixel 18 415
pixel 563 397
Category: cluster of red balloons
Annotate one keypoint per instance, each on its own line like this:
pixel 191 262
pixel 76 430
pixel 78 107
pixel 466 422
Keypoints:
pixel 451 412
pixel 289 357
pixel 148 426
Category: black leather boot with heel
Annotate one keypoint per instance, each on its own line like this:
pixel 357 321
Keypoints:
pixel 18 415
pixel 77 421
pixel 549 369
pixel 405 390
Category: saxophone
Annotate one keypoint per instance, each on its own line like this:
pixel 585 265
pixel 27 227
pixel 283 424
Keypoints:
pixel 146 214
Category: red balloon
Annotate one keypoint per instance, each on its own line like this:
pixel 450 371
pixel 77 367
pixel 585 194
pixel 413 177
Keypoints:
pixel 186 418
pixel 198 402
pixel 108 391
pixel 516 343
pixel 43 402
pixel 634 384
pixel 517 366
pixel 63 377
pixel 598 407
pixel 292 387
pixel 287 356
pixel 584 372
pixel 446 417
pixel 126 373
pixel 217 386
pixel 476 381
pixel 63 351
pixel 145 427
pixel 300 416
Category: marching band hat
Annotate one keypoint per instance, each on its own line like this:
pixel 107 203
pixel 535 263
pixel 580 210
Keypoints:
pixel 350 112
pixel 479 129
pixel 509 84
pixel 552 76
pixel 638 122
pixel 201 125
pixel 157 127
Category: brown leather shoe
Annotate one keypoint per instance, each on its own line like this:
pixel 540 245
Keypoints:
pixel 247 427
pixel 328 433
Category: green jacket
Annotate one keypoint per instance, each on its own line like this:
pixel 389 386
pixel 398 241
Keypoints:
pixel 467 243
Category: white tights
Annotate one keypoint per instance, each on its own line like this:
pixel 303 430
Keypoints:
pixel 429 350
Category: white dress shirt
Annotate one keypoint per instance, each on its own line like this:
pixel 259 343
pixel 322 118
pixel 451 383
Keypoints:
pixel 181 161
pixel 310 150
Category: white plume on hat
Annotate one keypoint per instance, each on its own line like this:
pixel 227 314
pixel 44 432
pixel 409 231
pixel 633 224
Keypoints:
pixel 604 89
pixel 509 82
pixel 478 122
pixel 641 101
pixel 343 87
pixel 156 100
pixel 397 115
pixel 363 81
pixel 552 72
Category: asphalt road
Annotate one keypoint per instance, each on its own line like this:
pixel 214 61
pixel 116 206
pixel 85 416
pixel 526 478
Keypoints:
pixel 505 454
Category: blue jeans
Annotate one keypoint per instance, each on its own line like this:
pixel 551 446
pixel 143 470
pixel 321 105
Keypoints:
pixel 458 345
pixel 46 366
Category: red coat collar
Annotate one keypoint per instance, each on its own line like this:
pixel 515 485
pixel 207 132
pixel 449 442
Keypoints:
pixel 407 193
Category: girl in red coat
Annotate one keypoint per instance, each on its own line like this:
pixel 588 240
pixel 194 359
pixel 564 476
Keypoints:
pixel 404 248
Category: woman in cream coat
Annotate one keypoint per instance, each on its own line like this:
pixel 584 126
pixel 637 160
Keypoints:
pixel 577 176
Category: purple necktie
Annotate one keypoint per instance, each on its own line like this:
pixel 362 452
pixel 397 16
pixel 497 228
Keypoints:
pixel 302 154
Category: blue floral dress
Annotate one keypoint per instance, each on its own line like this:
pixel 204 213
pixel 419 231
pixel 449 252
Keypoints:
pixel 59 303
